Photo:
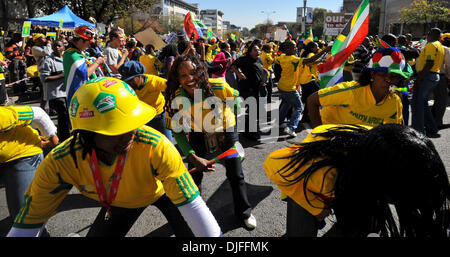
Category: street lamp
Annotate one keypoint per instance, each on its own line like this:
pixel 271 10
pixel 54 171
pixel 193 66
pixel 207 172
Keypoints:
pixel 268 21
pixel 268 14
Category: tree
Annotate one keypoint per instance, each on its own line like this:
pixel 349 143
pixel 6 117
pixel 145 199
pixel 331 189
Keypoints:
pixel 318 21
pixel 172 23
pixel 104 11
pixel 428 13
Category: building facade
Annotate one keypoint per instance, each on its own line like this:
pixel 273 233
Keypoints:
pixel 169 9
pixel 213 18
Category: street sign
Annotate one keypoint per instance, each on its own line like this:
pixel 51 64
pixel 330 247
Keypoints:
pixel 335 22
pixel 26 28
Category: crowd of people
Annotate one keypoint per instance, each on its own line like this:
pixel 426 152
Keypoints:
pixel 119 138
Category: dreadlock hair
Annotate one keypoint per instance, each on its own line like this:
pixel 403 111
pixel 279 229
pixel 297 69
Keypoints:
pixel 388 168
pixel 173 82
pixel 86 140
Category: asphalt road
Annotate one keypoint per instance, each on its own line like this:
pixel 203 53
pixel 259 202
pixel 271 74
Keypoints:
pixel 77 212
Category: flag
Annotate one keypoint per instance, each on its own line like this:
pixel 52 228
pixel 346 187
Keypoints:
pixel 75 63
pixel 310 34
pixel 200 27
pixel 288 34
pixel 380 43
pixel 210 34
pixel 61 23
pixel 233 36
pixel 237 151
pixel 189 26
pixel 353 34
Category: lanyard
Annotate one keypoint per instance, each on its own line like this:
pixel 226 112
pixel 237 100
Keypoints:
pixel 95 170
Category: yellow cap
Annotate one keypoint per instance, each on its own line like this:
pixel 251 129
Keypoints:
pixel 38 35
pixel 108 106
pixel 444 36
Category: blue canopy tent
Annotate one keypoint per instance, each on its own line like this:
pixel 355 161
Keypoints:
pixel 70 20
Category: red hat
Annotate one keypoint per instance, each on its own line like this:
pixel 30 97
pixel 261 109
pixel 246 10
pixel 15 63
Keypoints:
pixel 85 32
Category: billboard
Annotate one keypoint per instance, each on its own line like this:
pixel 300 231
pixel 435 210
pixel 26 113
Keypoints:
pixel 309 15
pixel 335 22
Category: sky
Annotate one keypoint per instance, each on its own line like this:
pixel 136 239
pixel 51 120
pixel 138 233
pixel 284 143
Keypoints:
pixel 248 13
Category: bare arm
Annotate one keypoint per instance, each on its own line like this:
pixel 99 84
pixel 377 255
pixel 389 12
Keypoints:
pixel 311 60
pixel 314 109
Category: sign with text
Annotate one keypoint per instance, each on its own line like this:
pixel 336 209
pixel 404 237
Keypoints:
pixel 51 34
pixel 335 22
pixel 26 28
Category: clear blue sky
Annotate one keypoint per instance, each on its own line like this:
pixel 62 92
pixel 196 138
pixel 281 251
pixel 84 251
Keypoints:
pixel 247 13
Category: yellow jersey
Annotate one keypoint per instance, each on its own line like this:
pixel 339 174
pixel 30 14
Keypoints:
pixel 267 60
pixel 432 51
pixel 151 92
pixel 150 63
pixel 307 72
pixel 17 138
pixel 351 103
pixel 153 167
pixel 290 65
pixel 202 116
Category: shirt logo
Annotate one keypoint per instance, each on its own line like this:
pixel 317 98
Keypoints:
pixel 109 83
pixel 74 105
pixel 105 102
pixel 86 113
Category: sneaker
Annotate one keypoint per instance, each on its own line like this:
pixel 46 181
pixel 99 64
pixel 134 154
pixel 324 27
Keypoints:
pixel 250 222
pixel 433 135
pixel 288 131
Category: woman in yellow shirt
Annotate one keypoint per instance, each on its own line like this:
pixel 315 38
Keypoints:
pixel 358 173
pixel 21 149
pixel 113 158
pixel 309 75
pixel 268 59
pixel 370 101
pixel 190 96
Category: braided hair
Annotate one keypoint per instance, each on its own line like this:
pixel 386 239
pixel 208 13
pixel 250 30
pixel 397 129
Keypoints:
pixel 390 167
pixel 86 140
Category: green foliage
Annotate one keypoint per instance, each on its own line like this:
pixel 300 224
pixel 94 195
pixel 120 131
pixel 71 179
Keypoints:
pixel 425 12
pixel 104 11
pixel 172 23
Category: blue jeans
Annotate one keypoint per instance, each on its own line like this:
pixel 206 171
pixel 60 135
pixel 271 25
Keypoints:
pixel 17 176
pixel 159 123
pixel 422 118
pixel 291 100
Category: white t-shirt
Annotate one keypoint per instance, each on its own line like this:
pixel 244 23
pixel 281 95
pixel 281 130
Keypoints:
pixel 114 56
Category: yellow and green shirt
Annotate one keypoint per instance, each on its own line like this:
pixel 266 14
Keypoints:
pixel 267 60
pixel 150 92
pixel 290 65
pixel 308 72
pixel 351 103
pixel 432 51
pixel 320 186
pixel 153 167
pixel 202 116
pixel 17 138
pixel 150 63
